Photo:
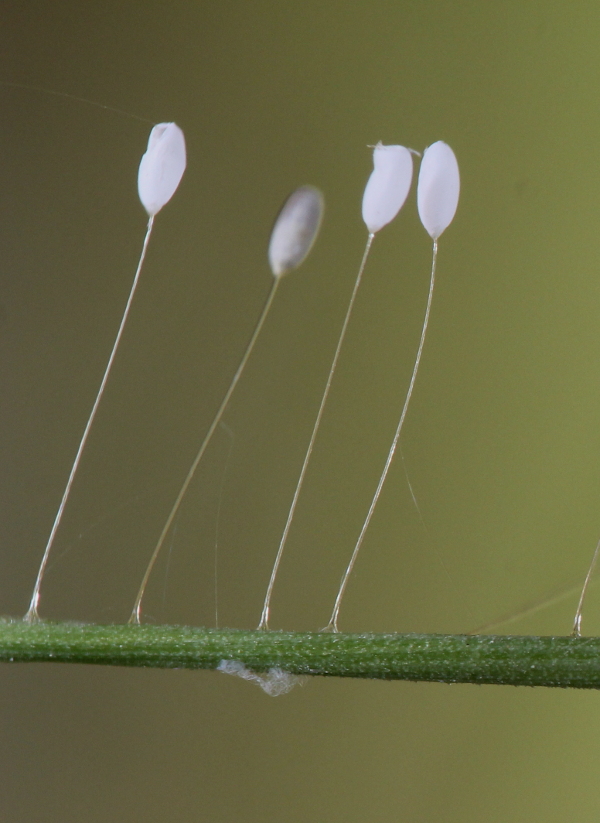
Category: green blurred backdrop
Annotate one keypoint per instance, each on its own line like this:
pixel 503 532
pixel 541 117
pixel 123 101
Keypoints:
pixel 502 443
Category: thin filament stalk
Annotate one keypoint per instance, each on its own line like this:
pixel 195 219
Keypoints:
pixel 218 520
pixel 588 577
pixel 137 608
pixel 332 625
pixel 27 87
pixel 527 611
pixel 264 618
pixel 32 613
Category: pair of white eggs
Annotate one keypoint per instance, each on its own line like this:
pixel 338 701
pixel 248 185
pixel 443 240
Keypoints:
pixel 438 187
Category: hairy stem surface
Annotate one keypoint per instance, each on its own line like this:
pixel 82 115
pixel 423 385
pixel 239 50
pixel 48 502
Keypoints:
pixel 565 662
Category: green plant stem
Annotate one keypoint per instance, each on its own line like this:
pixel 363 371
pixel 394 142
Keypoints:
pixel 566 662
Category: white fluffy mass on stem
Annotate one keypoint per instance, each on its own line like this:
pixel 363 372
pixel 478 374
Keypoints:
pixel 388 185
pixel 161 167
pixel 438 188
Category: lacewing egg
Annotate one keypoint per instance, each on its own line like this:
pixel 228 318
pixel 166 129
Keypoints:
pixel 388 185
pixel 438 188
pixel 161 167
pixel 295 229
pixel 292 237
pixel 160 171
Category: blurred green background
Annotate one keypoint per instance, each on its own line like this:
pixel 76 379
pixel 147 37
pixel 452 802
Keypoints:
pixel 502 443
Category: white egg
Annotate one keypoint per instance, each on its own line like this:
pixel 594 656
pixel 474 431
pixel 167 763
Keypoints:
pixel 161 167
pixel 438 188
pixel 295 229
pixel 388 186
